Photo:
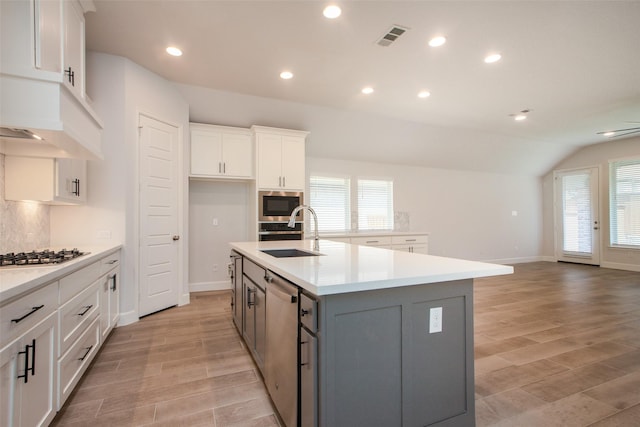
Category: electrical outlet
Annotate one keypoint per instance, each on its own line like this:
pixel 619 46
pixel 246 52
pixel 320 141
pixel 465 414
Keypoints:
pixel 104 234
pixel 435 320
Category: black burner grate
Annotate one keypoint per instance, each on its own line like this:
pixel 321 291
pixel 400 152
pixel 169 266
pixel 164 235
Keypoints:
pixel 38 257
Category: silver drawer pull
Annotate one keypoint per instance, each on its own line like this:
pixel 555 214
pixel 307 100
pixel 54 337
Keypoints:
pixel 86 354
pixel 113 261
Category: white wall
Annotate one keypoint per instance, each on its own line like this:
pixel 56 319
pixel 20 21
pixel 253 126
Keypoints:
pixel 227 202
pixel 121 90
pixel 594 155
pixel 468 214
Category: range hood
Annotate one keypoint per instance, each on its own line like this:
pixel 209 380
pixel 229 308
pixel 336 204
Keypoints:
pixel 41 118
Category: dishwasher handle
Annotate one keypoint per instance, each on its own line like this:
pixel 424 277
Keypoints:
pixel 279 289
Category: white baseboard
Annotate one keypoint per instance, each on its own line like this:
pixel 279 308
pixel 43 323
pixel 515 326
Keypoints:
pixel 508 261
pixel 209 286
pixel 184 299
pixel 620 266
pixel 128 318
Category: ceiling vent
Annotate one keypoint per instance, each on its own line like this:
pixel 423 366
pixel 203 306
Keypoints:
pixel 391 35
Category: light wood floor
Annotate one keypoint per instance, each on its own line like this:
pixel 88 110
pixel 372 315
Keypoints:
pixel 556 345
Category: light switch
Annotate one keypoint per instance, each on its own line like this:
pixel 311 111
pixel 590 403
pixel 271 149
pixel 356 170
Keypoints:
pixel 215 221
pixel 514 213
pixel 435 320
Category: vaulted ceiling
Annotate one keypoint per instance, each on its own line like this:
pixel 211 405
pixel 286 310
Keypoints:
pixel 574 64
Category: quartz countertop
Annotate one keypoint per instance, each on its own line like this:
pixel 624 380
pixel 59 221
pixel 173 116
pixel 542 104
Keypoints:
pixel 342 268
pixel 15 281
pixel 369 234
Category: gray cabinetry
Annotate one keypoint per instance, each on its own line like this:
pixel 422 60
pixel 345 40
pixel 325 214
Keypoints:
pixel 254 324
pixel 379 364
pixel 237 306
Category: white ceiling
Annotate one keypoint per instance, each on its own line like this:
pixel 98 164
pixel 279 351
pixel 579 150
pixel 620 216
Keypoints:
pixel 575 64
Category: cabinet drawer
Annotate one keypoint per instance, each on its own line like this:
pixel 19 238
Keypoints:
pixel 409 240
pixel 76 314
pixel 73 364
pixel 109 262
pixel 254 272
pixel 76 282
pixel 309 312
pixel 372 241
pixel 20 315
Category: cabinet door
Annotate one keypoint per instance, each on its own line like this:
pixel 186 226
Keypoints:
pixel 28 391
pixel 261 330
pixel 293 177
pixel 48 34
pixel 308 379
pixel 74 47
pixel 237 155
pixel 70 180
pixel 249 323
pixel 114 298
pixel 206 152
pixel 269 161
pixel 9 394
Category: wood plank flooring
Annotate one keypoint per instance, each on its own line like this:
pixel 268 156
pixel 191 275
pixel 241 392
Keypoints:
pixel 556 345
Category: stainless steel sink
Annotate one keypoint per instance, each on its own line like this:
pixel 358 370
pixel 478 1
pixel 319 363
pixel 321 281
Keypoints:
pixel 287 253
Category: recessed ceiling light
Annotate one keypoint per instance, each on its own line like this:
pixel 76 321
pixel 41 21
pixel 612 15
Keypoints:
pixel 437 41
pixel 608 134
pixel 174 51
pixel 286 75
pixel 367 90
pixel 424 94
pixel 520 117
pixel 494 57
pixel 332 11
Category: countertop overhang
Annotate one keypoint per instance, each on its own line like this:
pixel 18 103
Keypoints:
pixel 15 281
pixel 343 268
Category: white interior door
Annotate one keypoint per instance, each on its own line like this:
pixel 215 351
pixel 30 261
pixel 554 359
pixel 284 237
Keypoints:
pixel 159 227
pixel 577 220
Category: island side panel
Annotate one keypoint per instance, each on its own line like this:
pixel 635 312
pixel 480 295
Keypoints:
pixel 380 366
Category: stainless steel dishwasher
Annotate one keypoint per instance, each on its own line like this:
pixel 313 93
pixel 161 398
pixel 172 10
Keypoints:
pixel 281 359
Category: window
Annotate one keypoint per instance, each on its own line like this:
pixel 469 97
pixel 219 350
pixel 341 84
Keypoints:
pixel 375 204
pixel 330 199
pixel 624 203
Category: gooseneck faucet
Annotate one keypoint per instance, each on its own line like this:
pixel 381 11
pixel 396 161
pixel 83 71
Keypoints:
pixel 292 223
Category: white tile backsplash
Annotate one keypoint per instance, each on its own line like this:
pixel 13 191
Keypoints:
pixel 24 226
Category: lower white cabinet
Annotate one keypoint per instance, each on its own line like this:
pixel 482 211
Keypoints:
pixel 28 377
pixel 109 294
pixel 48 338
pixel 414 243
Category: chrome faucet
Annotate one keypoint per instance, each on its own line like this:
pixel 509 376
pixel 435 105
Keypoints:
pixel 292 223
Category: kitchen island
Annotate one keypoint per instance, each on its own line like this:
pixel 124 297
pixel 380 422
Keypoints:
pixel 385 337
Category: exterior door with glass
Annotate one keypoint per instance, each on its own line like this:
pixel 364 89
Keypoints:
pixel 576 216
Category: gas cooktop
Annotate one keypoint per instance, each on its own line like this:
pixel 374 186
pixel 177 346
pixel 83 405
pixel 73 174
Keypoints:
pixel 38 258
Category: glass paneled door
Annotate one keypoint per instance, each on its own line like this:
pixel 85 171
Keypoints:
pixel 576 216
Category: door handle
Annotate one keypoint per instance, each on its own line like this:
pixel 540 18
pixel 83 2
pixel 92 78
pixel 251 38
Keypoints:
pixel 176 237
pixel 596 228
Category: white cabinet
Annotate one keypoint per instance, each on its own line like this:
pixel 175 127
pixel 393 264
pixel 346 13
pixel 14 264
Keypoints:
pixel 28 377
pixel 377 241
pixel 415 243
pixel 55 181
pixel 281 158
pixel 74 51
pixel 109 293
pixel 42 78
pixel 221 151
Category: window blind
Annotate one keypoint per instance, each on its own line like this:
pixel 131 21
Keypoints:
pixel 375 204
pixel 624 203
pixel 576 213
pixel 330 199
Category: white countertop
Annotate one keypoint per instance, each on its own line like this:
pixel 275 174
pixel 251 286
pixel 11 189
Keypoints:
pixel 369 234
pixel 346 268
pixel 15 281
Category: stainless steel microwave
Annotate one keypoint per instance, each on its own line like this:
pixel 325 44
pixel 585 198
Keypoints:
pixel 278 205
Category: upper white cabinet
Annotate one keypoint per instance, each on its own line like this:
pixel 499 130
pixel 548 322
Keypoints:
pixel 74 51
pixel 221 152
pixel 281 158
pixel 54 181
pixel 42 80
